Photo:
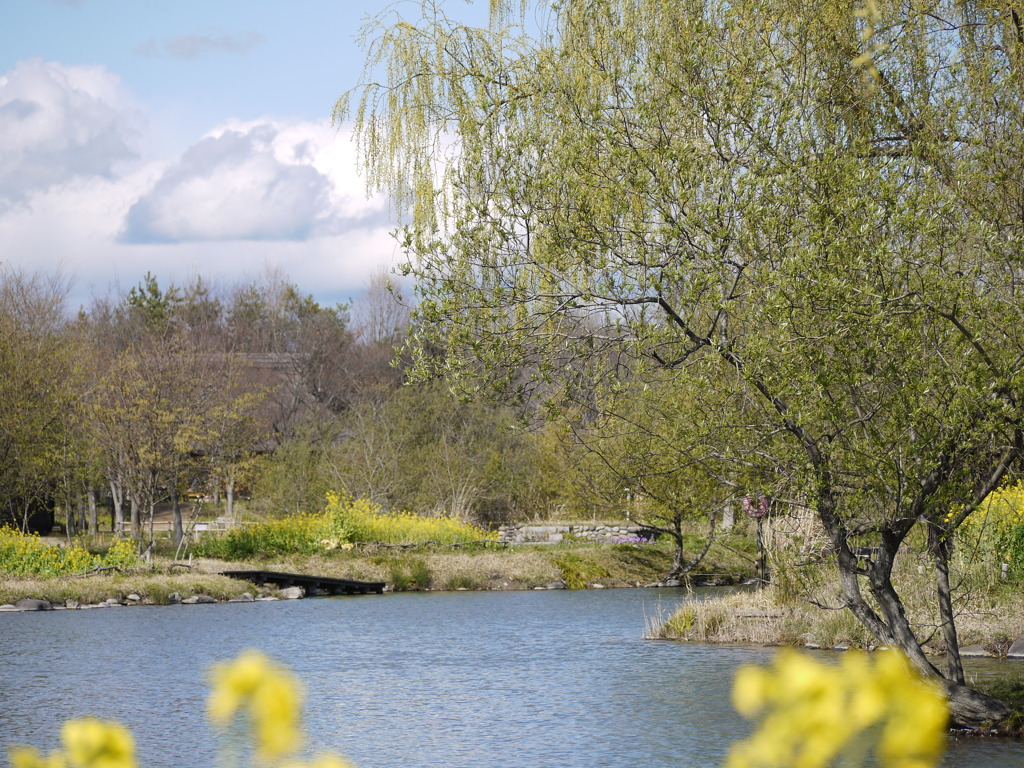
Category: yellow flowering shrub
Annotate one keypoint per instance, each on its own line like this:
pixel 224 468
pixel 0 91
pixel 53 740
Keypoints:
pixel 28 555
pixel 996 528
pixel 343 521
pixel 813 713
pixel 255 689
pixel 366 521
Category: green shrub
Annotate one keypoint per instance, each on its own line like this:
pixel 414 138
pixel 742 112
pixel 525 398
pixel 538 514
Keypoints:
pixel 413 574
pixel 304 534
pixel 576 572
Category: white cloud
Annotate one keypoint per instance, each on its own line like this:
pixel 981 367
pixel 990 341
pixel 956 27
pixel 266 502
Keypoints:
pixel 263 180
pixel 58 123
pixel 272 192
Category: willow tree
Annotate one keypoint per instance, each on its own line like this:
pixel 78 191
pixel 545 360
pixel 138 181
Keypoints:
pixel 814 208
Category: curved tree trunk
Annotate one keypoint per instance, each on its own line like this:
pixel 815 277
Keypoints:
pixel 938 546
pixel 968 708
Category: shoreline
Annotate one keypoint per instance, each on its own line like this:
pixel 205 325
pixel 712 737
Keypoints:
pixel 556 566
pixel 34 604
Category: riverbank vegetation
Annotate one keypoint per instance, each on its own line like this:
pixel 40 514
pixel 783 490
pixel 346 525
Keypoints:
pixel 482 564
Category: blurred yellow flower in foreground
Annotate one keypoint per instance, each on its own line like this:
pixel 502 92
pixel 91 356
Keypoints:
pixel 812 712
pixel 88 743
pixel 256 687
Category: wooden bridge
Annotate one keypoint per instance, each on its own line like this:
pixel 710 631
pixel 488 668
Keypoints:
pixel 314 585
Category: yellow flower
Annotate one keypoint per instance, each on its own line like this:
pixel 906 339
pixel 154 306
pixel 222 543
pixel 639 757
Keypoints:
pixel 254 686
pixel 750 690
pixel 30 757
pixel 91 743
pixel 813 713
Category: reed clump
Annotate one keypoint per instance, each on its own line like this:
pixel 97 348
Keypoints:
pixel 988 613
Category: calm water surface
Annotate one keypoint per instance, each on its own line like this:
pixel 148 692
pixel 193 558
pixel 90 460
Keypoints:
pixel 469 680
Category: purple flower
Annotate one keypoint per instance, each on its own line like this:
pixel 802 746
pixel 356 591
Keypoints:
pixel 760 509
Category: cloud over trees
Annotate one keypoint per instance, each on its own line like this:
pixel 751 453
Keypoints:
pixel 58 123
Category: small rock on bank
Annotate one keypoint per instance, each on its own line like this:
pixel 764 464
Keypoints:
pixel 1016 649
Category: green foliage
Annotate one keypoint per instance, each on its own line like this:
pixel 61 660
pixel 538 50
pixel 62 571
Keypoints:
pixel 423 449
pixel 40 436
pixel 295 479
pixel 28 555
pixel 801 226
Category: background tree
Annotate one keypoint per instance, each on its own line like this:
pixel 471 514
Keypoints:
pixel 639 453
pixel 815 209
pixel 39 391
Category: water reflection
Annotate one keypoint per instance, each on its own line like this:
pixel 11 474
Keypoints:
pixel 523 680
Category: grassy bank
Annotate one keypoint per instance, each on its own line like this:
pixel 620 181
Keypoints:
pixel 576 565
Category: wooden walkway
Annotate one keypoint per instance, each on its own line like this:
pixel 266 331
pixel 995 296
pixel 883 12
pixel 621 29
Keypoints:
pixel 314 585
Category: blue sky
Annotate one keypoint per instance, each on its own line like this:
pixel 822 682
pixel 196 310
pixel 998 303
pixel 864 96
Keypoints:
pixel 187 137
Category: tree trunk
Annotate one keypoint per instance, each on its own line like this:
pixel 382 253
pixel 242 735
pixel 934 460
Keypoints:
pixel 968 708
pixel 83 524
pixel 679 567
pixel 94 523
pixel 938 546
pixel 677 555
pixel 971 709
pixel 762 555
pixel 136 518
pixel 231 498
pixel 151 544
pixel 69 520
pixel 117 499
pixel 179 530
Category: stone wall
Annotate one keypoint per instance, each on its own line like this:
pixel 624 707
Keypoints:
pixel 552 534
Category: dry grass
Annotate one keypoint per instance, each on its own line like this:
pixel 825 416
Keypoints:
pixel 989 613
pixel 521 567
pixel 152 587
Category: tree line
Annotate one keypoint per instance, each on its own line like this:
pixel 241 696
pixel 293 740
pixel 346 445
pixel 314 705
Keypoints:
pixel 162 392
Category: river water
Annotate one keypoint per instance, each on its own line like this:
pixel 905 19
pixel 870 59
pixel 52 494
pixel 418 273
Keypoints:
pixel 552 679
